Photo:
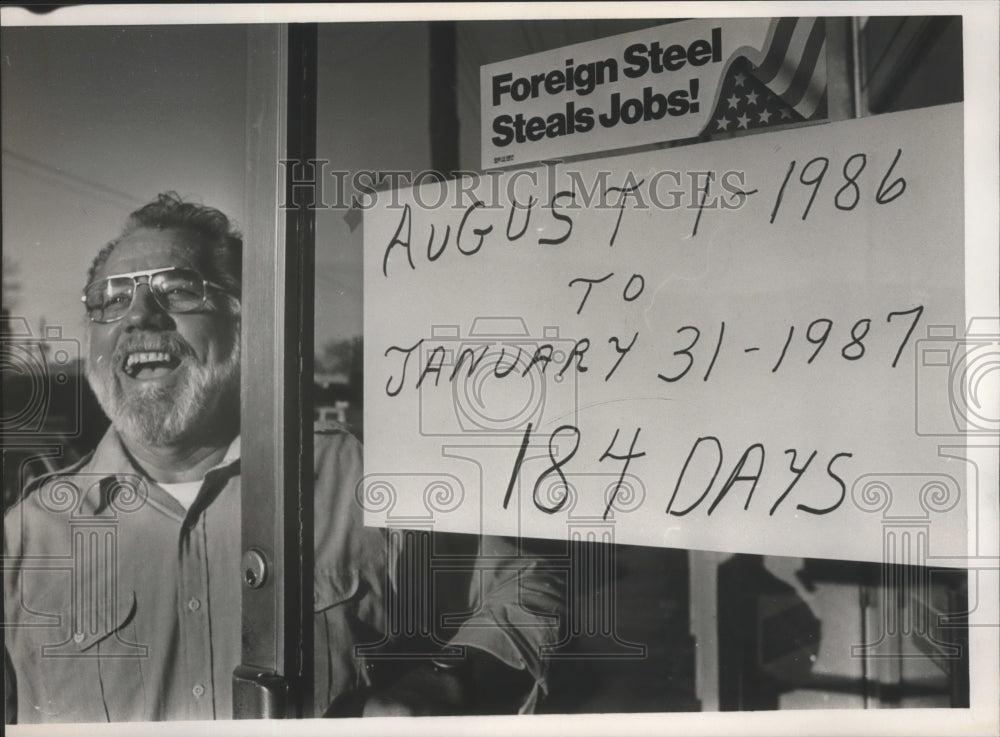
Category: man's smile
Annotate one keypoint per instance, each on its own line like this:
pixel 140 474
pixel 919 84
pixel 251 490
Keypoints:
pixel 149 364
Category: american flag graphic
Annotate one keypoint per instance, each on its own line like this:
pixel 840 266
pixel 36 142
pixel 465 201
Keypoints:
pixel 788 85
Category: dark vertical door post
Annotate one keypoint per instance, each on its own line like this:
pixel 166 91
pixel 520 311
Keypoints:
pixel 274 679
pixel 444 96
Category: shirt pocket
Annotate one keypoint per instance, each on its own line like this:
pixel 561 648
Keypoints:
pixel 88 667
pixel 332 588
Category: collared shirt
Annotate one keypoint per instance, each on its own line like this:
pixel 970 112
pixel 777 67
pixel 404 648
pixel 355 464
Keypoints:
pixel 186 492
pixel 121 605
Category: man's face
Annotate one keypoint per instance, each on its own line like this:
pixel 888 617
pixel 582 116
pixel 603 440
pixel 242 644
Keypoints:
pixel 164 378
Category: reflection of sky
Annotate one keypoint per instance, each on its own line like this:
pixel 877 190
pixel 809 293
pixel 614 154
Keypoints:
pixel 372 114
pixel 97 121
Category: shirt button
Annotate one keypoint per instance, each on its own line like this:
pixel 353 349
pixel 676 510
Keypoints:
pixel 198 690
pixel 78 637
pixel 194 605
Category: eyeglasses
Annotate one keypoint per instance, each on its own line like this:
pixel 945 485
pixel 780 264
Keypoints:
pixel 174 289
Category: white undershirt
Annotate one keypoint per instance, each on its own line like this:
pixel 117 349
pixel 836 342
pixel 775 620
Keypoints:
pixel 185 492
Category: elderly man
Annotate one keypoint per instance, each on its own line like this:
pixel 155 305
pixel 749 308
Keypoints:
pixel 122 588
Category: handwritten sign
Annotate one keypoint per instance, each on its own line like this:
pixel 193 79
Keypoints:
pixel 715 347
pixel 659 84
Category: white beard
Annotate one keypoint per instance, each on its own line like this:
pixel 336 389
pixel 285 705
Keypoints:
pixel 163 416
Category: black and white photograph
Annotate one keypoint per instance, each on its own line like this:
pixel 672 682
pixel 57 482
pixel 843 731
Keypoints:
pixel 516 369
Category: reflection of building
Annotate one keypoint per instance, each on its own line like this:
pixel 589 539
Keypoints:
pixel 336 399
pixel 796 633
pixel 330 380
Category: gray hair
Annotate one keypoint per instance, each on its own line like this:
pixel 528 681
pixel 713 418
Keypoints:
pixel 221 244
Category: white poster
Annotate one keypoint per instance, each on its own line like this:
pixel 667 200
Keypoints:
pixel 737 346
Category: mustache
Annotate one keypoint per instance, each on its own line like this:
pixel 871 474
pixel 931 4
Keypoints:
pixel 171 343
